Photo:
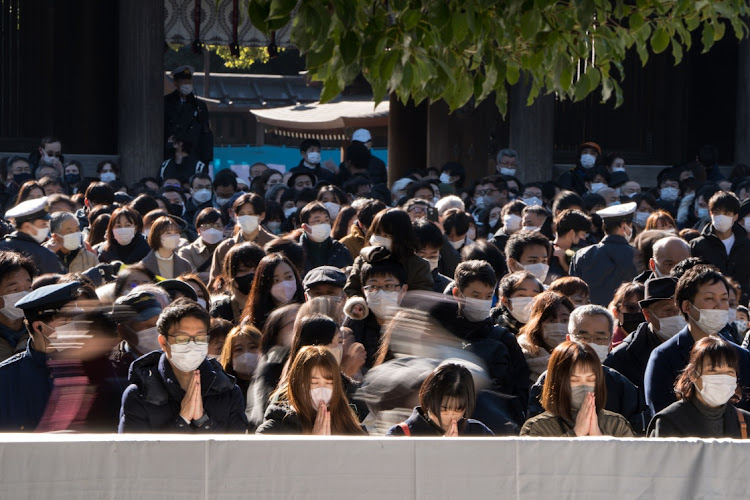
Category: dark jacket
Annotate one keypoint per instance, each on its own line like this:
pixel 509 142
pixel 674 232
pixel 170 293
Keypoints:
pixel 631 356
pixel 44 259
pixel 670 358
pixel 327 253
pixel 265 379
pixel 572 180
pixel 152 402
pixel 604 267
pixel 190 120
pixel 320 172
pixel 450 258
pixel 221 251
pixel 622 398
pixel 280 418
pixel 184 170
pixel 419 426
pixel 735 265
pixel 25 388
pixel 368 332
pixel 683 419
pixel 133 252
pixel 441 281
pixel 192 210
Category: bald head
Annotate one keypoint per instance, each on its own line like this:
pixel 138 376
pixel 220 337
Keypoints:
pixel 667 253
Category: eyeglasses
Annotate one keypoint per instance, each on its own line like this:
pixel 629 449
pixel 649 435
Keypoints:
pixel 185 339
pixel 377 288
pixel 484 192
pixel 418 209
pixel 216 225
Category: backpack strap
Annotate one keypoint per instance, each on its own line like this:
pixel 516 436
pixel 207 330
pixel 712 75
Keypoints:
pixel 743 425
pixel 407 432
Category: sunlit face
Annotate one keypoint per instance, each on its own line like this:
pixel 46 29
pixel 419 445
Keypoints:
pixel 428 253
pixel 593 329
pixel 526 288
pixel 319 217
pixel 35 194
pixel 478 290
pixel 424 193
pixel 318 379
pixel 582 376
pixel 533 254
pixel 242 344
pixel 283 272
pixel 15 281
pixel 70 226
pixel 123 221
pixel 450 410
pixel 709 296
pixel 51 189
pixel 579 299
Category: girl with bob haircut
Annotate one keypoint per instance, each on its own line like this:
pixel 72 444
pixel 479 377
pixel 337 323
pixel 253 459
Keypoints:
pixel 124 240
pixel 275 284
pixel 574 288
pixel 314 401
pixel 546 329
pixel 661 220
pixel 573 396
pixel 162 260
pixel 240 353
pixel 705 391
pixel 446 398
pixel 392 230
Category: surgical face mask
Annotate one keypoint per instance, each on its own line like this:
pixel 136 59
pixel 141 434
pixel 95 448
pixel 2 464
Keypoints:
pixel 212 236
pixel 245 363
pixel 288 212
pixel 107 176
pixel 40 234
pixel 717 389
pixel 381 241
pixel 530 228
pixel 445 178
pixel 539 270
pixel 554 333
pixel 274 226
pixel 458 244
pixel 670 326
pixel 732 315
pixel 333 209
pixel 222 201
pixel 493 221
pixel 9 309
pixel 578 394
pixel 72 241
pixel 711 320
pixel 320 232
pixel 669 193
pixel 640 218
pixel 628 232
pixel 532 202
pixel 479 202
pixel 521 308
pixel 722 222
pixel 284 291
pixel 601 350
pixel 507 171
pixel 587 160
pixel 188 357
pixel 511 223
pixel 186 89
pixel 433 262
pixel 72 179
pixel 248 223
pixel 597 186
pixel 338 353
pixel 320 395
pixel 382 304
pixel 170 242
pixel 202 196
pixel 741 325
pixel 701 212
pixel 148 340
pixel 123 235
pixel 313 157
pixel 618 169
pixel 476 309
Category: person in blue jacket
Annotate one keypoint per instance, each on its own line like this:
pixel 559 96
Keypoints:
pixel 703 298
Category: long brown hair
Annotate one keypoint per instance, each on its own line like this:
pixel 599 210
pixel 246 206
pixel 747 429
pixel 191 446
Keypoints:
pixel 544 307
pixel 719 352
pixel 225 358
pixel 129 214
pixel 343 419
pixel 562 363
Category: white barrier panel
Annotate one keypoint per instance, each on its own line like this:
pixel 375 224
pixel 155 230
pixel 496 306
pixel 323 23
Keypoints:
pixel 76 466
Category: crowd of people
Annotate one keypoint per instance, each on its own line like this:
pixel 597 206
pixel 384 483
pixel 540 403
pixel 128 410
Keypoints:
pixel 324 301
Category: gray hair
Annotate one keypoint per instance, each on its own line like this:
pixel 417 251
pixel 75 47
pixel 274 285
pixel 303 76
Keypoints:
pixel 449 202
pixel 576 317
pixel 510 153
pixel 58 219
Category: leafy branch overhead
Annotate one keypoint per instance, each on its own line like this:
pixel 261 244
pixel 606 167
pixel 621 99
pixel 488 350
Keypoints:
pixel 458 49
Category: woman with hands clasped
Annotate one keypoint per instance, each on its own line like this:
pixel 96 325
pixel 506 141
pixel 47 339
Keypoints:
pixel 314 401
pixel 573 396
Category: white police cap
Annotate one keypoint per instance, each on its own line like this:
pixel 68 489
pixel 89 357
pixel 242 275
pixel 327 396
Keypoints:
pixel 617 210
pixel 29 210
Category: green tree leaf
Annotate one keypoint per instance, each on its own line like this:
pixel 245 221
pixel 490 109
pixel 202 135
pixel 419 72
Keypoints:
pixel 659 40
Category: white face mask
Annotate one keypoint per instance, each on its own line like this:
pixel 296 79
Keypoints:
pixel 539 270
pixel 597 186
pixel 320 232
pixel 40 234
pixel 476 309
pixel 313 157
pixel 711 320
pixel 479 202
pixel 288 212
pixel 72 241
pixel 433 263
pixel 284 291
pixel 188 357
pixel 245 363
pixel 107 177
pixel 493 221
pixel 458 244
pixel 186 89
pixel 222 201
pixel 587 160
pixel 601 350
pixel 722 222
pixel 248 223
pixel 338 353
pixel 670 326
pixel 717 389
pixel 618 169
pixel 741 325
pixel 521 308
pixel 554 333
pixel 507 171
pixel 320 394
pixel 532 202
pixel 170 242
pixel 333 209
pixel 9 310
pixel 640 218
pixel 669 193
pixel 382 304
pixel 202 196
pixel 511 223
pixel 124 235
pixel 445 178
pixel 212 236
pixel 148 340
pixel 731 315
pixel 381 241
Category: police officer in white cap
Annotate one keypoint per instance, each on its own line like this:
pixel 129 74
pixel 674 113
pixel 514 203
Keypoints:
pixel 609 263
pixel 31 219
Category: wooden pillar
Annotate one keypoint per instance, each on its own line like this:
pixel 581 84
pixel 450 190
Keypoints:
pixel 141 76
pixel 407 138
pixel 742 129
pixel 532 134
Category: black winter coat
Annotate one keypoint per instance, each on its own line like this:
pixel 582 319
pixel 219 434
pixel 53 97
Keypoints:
pixel 683 419
pixel 736 264
pixel 420 426
pixel 334 252
pixel 631 356
pixel 152 402
pixel 44 259
pixel 132 253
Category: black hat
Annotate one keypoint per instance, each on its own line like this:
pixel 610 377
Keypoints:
pixel 290 182
pixel 324 274
pixel 49 299
pixel 658 289
pixel 137 306
pixel 173 287
pixel 618 179
pixel 183 73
